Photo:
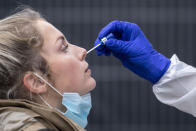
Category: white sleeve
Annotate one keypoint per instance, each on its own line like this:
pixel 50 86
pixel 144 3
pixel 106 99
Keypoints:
pixel 177 87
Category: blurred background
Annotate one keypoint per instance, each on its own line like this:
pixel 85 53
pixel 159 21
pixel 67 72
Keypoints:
pixel 122 101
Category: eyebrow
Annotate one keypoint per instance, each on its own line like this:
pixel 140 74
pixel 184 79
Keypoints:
pixel 60 37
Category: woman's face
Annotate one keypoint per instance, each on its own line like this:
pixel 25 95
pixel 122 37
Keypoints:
pixel 66 61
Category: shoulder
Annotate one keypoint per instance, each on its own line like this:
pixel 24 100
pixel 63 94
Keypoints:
pixel 17 120
pixel 20 114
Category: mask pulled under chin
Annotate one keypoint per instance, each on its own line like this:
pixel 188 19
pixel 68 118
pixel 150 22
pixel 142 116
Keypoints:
pixel 78 107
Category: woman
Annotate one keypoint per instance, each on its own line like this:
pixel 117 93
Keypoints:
pixel 45 80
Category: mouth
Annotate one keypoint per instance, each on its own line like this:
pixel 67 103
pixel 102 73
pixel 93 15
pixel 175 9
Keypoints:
pixel 86 69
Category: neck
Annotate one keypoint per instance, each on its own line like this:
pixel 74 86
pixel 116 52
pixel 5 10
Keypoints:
pixel 50 102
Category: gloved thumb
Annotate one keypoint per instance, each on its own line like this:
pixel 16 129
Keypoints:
pixel 117 46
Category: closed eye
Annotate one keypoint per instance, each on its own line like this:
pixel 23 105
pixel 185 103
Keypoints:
pixel 64 45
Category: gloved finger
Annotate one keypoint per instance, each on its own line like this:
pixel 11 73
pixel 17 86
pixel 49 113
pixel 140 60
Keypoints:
pixel 112 27
pixel 99 53
pixel 107 52
pixel 97 41
pixel 117 46
pixel 101 49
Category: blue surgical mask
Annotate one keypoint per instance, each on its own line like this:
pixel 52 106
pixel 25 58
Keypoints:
pixel 78 107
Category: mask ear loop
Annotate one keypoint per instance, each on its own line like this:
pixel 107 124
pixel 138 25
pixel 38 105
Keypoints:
pixel 48 85
pixel 45 101
pixel 40 98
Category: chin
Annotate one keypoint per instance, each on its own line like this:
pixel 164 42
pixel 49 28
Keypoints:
pixel 91 85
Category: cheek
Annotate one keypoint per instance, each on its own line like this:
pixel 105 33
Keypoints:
pixel 68 75
pixel 76 78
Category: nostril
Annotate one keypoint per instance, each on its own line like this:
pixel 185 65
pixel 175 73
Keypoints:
pixel 84 54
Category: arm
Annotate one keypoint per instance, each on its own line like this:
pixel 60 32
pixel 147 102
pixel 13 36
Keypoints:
pixel 177 87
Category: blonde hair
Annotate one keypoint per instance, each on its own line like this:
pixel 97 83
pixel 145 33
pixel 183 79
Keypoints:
pixel 20 43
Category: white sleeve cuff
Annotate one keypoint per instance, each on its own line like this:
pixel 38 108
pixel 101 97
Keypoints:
pixel 177 87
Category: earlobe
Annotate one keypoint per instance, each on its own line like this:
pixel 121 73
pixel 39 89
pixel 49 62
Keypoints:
pixel 34 84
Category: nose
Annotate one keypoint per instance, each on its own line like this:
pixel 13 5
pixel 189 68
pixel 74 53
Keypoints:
pixel 79 52
pixel 82 54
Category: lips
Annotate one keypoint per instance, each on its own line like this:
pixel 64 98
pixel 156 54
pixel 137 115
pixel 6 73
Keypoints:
pixel 86 69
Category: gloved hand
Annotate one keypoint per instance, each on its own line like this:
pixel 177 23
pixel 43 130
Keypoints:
pixel 133 49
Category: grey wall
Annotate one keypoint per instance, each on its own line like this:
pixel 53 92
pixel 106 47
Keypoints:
pixel 121 100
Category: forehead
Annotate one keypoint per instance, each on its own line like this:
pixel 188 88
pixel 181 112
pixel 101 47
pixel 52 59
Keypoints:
pixel 47 30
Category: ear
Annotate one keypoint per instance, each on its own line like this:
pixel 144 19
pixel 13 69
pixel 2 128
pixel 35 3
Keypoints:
pixel 34 84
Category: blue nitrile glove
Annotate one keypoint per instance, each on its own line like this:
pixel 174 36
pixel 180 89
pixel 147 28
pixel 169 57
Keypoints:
pixel 133 49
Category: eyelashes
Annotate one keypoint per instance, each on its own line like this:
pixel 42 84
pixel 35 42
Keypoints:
pixel 64 46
